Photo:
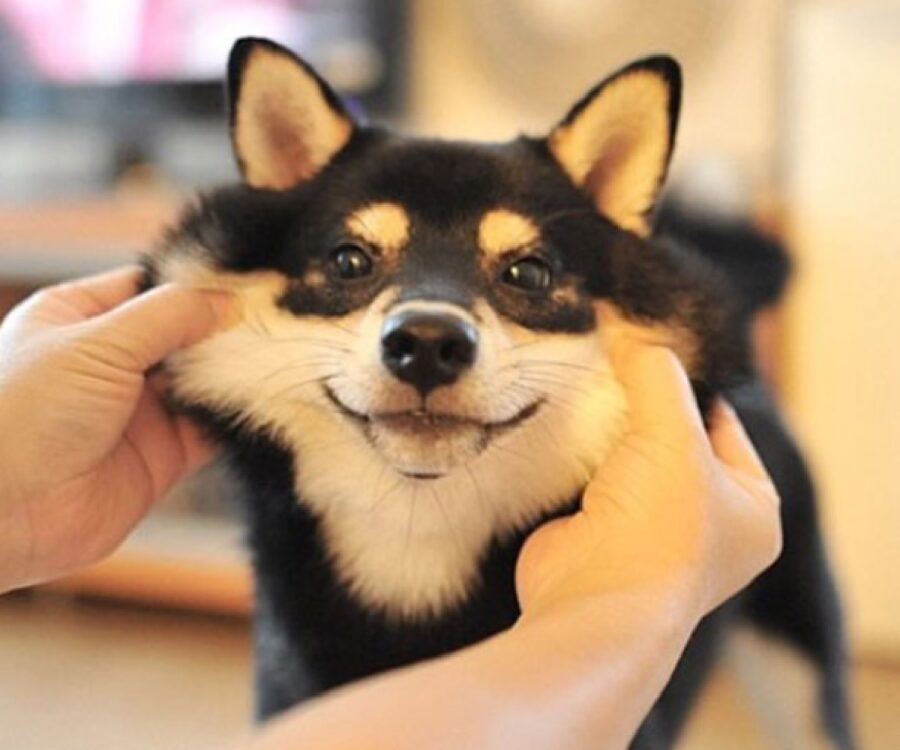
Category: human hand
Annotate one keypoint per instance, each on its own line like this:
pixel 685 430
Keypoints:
pixel 86 445
pixel 672 511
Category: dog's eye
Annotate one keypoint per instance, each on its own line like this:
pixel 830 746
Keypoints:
pixel 350 262
pixel 531 274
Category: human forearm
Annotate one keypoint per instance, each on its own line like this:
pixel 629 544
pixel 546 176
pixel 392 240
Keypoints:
pixel 585 675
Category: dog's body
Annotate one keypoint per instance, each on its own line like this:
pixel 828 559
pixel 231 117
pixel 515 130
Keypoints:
pixel 420 375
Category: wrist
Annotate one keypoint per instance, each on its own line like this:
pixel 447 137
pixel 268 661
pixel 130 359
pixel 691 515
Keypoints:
pixel 14 541
pixel 678 596
pixel 591 667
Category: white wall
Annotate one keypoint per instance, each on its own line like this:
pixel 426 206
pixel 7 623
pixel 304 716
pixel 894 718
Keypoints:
pixel 474 76
pixel 843 355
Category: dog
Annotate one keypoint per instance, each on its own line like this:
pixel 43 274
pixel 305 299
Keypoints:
pixel 419 378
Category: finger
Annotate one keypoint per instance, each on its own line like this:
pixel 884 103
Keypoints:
pixel 154 436
pixel 730 442
pixel 96 294
pixel 151 326
pixel 660 400
pixel 171 447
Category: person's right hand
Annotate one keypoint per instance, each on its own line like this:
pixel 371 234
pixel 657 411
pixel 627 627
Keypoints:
pixel 86 442
pixel 671 509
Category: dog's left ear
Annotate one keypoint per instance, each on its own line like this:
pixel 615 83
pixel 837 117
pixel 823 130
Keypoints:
pixel 616 142
pixel 286 122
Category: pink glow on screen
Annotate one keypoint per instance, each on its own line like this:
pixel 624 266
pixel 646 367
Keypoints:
pixel 116 40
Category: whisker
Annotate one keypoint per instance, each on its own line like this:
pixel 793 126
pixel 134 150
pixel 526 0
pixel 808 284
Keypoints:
pixel 537 387
pixel 255 317
pixel 554 400
pixel 278 341
pixel 290 388
pixel 542 421
pixel 388 492
pixel 524 344
pixel 298 366
pixel 311 340
pixel 549 380
pixel 565 213
pixel 336 443
pixel 450 527
pixel 477 487
pixel 410 519
pixel 339 327
pixel 502 448
pixel 525 363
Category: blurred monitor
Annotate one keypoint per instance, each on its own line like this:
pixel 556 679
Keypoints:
pixel 116 82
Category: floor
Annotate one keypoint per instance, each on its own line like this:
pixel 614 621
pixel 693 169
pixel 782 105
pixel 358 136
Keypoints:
pixel 82 676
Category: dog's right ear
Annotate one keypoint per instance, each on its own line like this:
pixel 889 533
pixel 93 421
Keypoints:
pixel 286 122
pixel 615 144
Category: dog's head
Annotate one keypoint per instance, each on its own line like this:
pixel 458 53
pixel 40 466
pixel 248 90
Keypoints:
pixel 427 319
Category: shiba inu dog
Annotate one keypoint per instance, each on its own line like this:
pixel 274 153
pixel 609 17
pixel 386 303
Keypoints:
pixel 420 377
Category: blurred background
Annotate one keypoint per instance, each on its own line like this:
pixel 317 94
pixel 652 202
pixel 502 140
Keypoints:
pixel 111 112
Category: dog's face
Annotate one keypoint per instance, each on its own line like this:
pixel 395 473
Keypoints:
pixel 423 324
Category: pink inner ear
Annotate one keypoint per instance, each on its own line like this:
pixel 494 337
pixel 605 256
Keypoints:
pixel 617 146
pixel 289 157
pixel 285 128
pixel 599 176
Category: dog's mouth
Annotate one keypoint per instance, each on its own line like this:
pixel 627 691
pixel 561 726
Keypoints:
pixel 424 444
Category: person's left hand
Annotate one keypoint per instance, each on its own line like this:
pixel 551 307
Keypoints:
pixel 86 445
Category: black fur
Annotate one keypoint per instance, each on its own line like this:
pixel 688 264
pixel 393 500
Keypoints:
pixel 310 634
pixel 754 261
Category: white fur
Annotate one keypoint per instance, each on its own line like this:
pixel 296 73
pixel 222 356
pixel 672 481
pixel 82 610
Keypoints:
pixel 409 546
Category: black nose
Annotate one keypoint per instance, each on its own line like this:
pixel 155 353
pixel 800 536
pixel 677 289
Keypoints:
pixel 427 350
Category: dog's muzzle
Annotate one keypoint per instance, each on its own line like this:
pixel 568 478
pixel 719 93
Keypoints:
pixel 428 349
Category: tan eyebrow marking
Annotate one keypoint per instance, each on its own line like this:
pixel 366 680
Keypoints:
pixel 502 230
pixel 384 225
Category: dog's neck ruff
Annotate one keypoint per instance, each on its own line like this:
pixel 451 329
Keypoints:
pixel 411 548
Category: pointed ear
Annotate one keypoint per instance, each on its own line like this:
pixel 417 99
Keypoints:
pixel 286 123
pixel 616 142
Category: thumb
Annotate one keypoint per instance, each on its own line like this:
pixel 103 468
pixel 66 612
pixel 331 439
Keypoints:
pixel 661 403
pixel 149 327
pixel 731 444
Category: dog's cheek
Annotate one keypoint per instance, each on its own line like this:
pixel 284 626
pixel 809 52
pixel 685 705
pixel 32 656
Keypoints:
pixel 249 370
pixel 218 375
pixel 614 326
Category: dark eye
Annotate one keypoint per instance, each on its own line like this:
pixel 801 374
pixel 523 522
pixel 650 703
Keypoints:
pixel 350 262
pixel 531 274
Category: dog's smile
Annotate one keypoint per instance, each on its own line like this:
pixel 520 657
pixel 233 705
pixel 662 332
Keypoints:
pixel 431 430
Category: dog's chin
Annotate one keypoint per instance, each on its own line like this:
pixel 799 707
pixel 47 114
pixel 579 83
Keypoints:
pixel 421 446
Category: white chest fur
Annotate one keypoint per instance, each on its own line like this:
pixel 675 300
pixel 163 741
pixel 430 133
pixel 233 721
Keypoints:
pixel 413 547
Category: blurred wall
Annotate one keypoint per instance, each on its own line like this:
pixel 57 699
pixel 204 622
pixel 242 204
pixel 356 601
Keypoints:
pixel 491 70
pixel 842 364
